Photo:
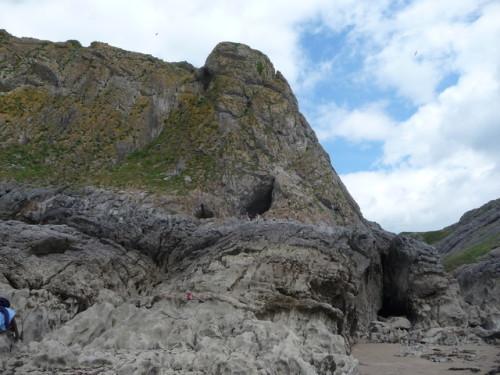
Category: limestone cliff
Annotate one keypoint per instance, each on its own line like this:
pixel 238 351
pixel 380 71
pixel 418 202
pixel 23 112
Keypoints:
pixel 223 140
pixel 470 249
pixel 99 279
pixel 207 181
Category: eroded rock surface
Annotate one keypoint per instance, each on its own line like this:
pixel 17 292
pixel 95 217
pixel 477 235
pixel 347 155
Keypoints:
pixel 478 232
pixel 99 280
pixel 212 183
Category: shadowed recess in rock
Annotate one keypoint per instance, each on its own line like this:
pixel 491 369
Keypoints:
pixel 261 199
pixel 203 212
pixel 396 273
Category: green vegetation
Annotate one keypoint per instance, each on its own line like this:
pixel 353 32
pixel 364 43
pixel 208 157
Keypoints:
pixel 179 159
pixel 431 237
pixel 470 255
pixel 50 137
pixel 74 43
pixel 260 67
pixel 21 162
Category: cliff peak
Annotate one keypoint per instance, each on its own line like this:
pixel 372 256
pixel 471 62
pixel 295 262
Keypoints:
pixel 223 140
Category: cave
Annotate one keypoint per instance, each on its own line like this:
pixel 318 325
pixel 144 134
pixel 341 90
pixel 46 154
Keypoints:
pixel 392 307
pixel 260 200
pixel 203 212
pixel 395 266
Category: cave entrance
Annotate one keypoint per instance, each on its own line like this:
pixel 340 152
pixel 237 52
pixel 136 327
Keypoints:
pixel 261 199
pixel 395 266
pixel 392 307
pixel 203 212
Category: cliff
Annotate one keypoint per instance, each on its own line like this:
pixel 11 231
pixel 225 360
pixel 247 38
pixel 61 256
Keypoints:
pixel 128 182
pixel 223 140
pixel 470 249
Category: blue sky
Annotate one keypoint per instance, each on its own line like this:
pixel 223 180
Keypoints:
pixel 403 94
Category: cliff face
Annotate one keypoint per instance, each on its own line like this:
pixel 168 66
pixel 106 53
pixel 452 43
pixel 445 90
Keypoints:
pixel 223 140
pixel 472 250
pixel 478 228
pixel 99 280
pixel 176 161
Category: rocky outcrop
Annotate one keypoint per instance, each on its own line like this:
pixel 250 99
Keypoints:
pixel 223 140
pixel 471 250
pixel 416 286
pixel 474 228
pixel 476 239
pixel 480 286
pixel 271 295
pixel 206 181
pixel 53 272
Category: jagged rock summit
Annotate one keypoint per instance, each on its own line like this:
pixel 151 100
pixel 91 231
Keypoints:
pixel 223 140
pixel 206 181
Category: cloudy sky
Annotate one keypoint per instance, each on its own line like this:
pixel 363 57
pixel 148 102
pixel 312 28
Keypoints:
pixel 403 94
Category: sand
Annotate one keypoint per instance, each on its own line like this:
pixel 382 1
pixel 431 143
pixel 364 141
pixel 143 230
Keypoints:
pixel 389 359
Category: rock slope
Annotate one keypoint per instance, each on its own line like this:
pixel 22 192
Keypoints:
pixel 223 140
pixel 206 181
pixel 470 249
pixel 475 242
pixel 100 278
pixel 479 227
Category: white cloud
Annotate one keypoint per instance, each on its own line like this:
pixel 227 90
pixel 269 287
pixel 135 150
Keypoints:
pixel 444 159
pixel 369 123
pixel 429 198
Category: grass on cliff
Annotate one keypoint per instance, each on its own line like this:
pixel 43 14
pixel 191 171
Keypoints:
pixel 431 237
pixel 22 162
pixel 180 158
pixel 470 255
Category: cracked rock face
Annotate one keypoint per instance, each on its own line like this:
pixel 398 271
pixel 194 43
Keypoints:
pixel 478 229
pixel 105 288
pixel 480 285
pixel 67 273
pixel 220 141
pixel 416 286
pixel 211 183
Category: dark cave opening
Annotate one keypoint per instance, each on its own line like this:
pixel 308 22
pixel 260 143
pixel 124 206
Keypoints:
pixel 261 199
pixel 204 76
pixel 203 212
pixel 395 266
pixel 392 307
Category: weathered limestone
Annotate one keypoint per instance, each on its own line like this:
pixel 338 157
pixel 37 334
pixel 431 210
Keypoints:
pixel 229 197
pixel 99 281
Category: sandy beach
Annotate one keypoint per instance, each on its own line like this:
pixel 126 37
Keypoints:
pixel 390 359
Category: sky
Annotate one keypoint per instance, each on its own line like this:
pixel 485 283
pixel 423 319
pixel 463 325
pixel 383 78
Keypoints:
pixel 404 95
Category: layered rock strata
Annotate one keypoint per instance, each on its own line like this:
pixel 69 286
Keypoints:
pixel 271 296
pixel 206 181
pixel 223 140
